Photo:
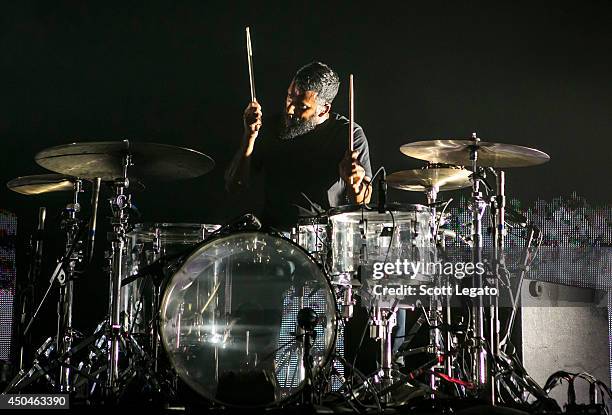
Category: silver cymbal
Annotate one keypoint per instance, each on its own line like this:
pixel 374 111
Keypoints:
pixel 422 180
pixel 104 159
pixel 41 183
pixel 490 154
pixel 37 184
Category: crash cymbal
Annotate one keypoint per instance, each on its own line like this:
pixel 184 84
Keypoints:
pixel 45 183
pixel 104 159
pixel 422 180
pixel 489 154
pixel 41 183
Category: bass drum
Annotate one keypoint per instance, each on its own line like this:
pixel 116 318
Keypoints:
pixel 228 319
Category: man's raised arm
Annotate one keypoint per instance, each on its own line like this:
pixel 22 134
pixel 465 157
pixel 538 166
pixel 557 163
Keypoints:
pixel 238 173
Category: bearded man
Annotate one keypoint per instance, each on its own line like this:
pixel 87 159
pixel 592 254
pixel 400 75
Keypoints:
pixel 303 153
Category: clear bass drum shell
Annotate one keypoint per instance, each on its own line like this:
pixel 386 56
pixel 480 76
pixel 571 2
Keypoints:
pixel 228 318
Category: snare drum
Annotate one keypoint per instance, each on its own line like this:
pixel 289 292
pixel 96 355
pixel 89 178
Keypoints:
pixel 364 240
pixel 147 243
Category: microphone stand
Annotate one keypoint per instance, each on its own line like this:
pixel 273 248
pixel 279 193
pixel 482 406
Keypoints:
pixel 307 321
pixel 28 291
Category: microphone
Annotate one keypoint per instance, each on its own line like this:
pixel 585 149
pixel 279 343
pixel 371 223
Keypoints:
pixel 307 319
pixel 252 222
pixel 313 206
pixel 38 241
pixel 246 222
pixel 382 193
pixel 91 240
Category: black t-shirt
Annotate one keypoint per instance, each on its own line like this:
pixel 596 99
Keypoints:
pixel 305 164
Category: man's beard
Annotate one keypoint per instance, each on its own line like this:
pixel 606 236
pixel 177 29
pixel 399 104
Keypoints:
pixel 295 127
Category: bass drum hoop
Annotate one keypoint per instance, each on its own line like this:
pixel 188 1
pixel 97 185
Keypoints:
pixel 327 357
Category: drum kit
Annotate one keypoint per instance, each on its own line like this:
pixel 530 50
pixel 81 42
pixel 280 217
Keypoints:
pixel 245 317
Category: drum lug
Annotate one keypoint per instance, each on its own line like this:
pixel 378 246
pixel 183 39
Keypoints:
pixel 363 227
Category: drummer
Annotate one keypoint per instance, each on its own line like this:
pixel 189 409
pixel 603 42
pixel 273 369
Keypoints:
pixel 303 152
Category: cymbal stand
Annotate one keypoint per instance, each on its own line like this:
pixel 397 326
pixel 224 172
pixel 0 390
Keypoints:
pixel 65 335
pixel 439 311
pixel 479 357
pixel 435 314
pixel 432 195
pixel 120 203
pixel 64 274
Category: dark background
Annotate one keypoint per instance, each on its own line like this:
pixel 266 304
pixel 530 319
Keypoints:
pixel 535 74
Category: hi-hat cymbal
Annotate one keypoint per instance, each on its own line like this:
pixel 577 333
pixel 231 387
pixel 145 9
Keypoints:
pixel 490 154
pixel 41 183
pixel 104 159
pixel 422 180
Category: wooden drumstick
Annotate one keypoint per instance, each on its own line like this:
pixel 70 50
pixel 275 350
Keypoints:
pixel 250 60
pixel 351 114
pixel 351 117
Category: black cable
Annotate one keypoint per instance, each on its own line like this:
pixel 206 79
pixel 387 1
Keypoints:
pixel 366 382
pixel 424 368
pixel 282 346
pixel 439 221
pixel 409 337
pixel 369 185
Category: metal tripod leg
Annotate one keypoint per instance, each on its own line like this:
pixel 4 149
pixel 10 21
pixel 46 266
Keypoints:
pixel 382 323
pixel 26 377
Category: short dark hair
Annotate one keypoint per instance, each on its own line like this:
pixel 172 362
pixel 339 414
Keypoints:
pixel 320 78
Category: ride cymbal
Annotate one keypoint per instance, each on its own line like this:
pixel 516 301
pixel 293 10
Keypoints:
pixel 490 154
pixel 105 159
